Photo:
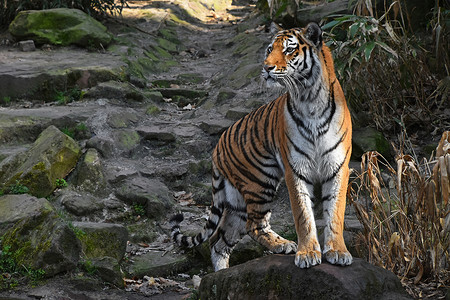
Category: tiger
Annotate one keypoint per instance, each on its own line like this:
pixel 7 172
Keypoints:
pixel 304 136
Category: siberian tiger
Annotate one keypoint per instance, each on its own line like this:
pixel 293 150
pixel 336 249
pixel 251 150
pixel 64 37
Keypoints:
pixel 305 136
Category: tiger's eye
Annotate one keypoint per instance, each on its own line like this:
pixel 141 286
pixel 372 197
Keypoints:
pixel 290 50
pixel 269 49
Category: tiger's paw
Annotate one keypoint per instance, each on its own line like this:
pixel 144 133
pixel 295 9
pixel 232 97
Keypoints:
pixel 336 257
pixel 287 247
pixel 308 259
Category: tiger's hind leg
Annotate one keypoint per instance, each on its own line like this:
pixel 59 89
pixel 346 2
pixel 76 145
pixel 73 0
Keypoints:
pixel 230 208
pixel 258 226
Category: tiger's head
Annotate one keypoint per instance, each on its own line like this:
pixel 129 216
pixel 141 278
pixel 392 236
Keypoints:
pixel 292 58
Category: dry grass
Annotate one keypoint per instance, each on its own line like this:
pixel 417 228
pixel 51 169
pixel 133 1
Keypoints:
pixel 405 214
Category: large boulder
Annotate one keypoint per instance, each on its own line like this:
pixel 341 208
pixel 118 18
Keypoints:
pixel 277 277
pixel 151 193
pixel 52 156
pixel 102 239
pixel 36 235
pixel 59 26
pixel 103 247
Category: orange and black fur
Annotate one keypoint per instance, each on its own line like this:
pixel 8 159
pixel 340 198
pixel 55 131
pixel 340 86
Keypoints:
pixel 305 136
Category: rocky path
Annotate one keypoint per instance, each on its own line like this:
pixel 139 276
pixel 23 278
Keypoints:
pixel 153 106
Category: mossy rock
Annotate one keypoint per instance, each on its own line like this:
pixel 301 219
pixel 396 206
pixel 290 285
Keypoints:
pixel 90 177
pixel 156 265
pixel 154 96
pixel 102 239
pixel 369 139
pixel 126 139
pixel 243 74
pixel 122 119
pixel 169 35
pixel 152 194
pixel 36 235
pixel 52 156
pixel 159 52
pixel 191 78
pixel 165 83
pixel 60 26
pixel 225 95
pixel 279 277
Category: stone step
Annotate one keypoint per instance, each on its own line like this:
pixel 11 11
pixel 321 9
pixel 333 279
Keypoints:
pixel 41 74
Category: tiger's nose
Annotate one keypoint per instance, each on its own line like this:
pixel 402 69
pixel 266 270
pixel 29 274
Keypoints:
pixel 268 68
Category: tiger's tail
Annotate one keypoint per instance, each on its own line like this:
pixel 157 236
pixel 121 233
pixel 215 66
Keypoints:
pixel 190 241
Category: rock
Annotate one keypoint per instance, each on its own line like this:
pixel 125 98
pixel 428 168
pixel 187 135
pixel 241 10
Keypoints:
pixel 58 70
pixel 236 113
pixel 27 46
pixel 162 134
pixel 89 174
pixel 108 269
pixel 170 172
pixel 277 277
pixel 247 249
pixel 118 173
pixel 116 90
pixel 215 126
pixel 79 204
pixel 191 78
pixel 105 146
pixel 150 193
pixel 38 238
pixel 225 95
pixel 155 264
pixel 52 156
pixel 369 139
pixel 183 97
pixel 126 139
pixel 122 119
pixel 99 240
pixel 60 26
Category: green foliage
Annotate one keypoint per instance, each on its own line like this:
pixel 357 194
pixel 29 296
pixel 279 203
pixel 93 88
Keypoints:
pixel 194 296
pixel 89 267
pixel 79 233
pixel 68 96
pixel 61 183
pixel 11 273
pixel 17 188
pixel 384 70
pixel 10 8
pixel 68 131
pixel 79 131
pixel 139 209
pixel 6 100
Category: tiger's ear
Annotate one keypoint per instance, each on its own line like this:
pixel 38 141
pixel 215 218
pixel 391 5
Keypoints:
pixel 314 34
pixel 275 28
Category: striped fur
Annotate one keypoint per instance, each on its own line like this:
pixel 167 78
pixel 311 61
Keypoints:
pixel 303 136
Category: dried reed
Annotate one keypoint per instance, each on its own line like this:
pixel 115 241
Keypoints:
pixel 405 213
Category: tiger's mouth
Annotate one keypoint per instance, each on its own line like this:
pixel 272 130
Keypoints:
pixel 271 80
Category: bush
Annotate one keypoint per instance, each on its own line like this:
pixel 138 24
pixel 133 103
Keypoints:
pixel 405 213
pixel 10 8
pixel 390 72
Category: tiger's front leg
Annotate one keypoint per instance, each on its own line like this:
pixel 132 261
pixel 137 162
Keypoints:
pixel 308 251
pixel 333 196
